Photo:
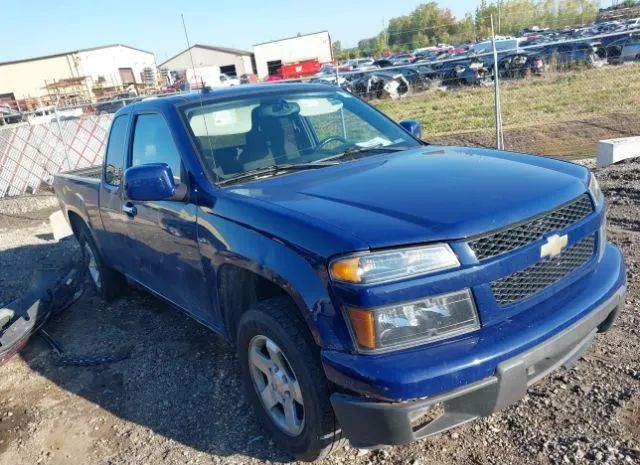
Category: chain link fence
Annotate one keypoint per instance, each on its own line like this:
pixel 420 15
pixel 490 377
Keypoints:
pixel 557 97
pixel 31 152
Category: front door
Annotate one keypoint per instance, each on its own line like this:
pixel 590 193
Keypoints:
pixel 163 234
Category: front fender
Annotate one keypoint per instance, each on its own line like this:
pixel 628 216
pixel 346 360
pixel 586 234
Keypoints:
pixel 300 274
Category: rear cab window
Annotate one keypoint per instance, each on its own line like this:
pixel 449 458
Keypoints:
pixel 114 157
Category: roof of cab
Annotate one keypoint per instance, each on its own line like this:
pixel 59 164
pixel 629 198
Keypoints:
pixel 213 95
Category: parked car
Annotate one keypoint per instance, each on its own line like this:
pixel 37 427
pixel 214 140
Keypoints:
pixel 249 78
pixel 461 71
pixel 633 23
pixel 402 58
pixel 361 64
pixel 383 63
pixel 420 77
pixel 520 65
pixel 572 54
pixel 625 49
pixel 114 103
pixel 379 84
pixel 227 80
pixel 375 287
pixel 42 115
pixel 8 115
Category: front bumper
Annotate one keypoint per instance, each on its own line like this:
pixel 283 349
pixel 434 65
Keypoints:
pixel 377 420
pixel 369 423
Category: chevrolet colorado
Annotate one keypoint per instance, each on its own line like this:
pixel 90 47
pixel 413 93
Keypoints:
pixel 377 288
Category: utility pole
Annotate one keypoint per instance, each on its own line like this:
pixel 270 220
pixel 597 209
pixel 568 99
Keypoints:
pixel 496 84
pixel 386 35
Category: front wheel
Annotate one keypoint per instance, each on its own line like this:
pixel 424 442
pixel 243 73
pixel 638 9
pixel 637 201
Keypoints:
pixel 280 365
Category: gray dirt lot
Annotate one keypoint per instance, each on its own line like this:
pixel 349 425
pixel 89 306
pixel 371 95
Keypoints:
pixel 177 399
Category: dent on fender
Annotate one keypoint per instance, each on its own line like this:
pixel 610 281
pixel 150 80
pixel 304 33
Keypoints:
pixel 223 242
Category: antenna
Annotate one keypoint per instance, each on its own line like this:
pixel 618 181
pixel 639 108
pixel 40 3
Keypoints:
pixel 204 120
pixel 193 66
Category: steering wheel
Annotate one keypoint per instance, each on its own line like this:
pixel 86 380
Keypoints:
pixel 329 139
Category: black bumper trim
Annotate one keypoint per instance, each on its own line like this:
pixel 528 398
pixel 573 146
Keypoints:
pixel 369 423
pixel 50 291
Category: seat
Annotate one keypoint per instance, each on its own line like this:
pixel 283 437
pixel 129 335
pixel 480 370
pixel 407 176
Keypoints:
pixel 268 143
pixel 226 159
pixel 256 151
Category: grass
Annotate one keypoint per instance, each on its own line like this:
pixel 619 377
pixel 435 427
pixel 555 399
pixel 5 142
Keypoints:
pixel 552 99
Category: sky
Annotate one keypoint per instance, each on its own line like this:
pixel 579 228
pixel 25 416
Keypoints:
pixel 41 27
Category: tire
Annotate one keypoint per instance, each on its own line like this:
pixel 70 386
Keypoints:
pixel 315 433
pixel 107 282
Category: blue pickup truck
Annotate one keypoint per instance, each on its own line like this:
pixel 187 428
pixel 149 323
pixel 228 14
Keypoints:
pixel 377 288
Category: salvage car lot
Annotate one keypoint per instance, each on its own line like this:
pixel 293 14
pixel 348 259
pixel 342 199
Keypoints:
pixel 562 115
pixel 176 397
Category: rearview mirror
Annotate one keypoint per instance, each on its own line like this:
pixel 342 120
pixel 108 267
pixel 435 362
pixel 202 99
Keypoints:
pixel 413 127
pixel 153 181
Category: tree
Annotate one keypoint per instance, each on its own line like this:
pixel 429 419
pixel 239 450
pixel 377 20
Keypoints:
pixel 429 24
pixel 337 49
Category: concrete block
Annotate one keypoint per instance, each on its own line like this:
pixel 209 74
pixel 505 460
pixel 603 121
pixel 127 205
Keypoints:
pixel 615 150
pixel 59 225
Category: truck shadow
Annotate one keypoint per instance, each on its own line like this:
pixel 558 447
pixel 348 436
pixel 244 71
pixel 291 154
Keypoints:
pixel 178 379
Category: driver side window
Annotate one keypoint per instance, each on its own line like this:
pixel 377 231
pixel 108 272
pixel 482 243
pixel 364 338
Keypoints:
pixel 153 143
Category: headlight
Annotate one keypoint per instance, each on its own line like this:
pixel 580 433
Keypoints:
pixel 598 199
pixel 414 323
pixel 594 190
pixel 367 268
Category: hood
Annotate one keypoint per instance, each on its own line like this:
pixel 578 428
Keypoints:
pixel 422 195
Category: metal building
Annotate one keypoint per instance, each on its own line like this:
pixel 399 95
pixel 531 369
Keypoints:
pixel 77 76
pixel 270 56
pixel 217 60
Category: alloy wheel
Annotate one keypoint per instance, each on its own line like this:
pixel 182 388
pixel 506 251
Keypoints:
pixel 276 385
pixel 92 265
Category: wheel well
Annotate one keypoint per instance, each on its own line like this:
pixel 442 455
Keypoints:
pixel 240 289
pixel 76 222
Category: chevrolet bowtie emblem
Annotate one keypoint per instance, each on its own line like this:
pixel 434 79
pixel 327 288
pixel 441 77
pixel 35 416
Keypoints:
pixel 554 245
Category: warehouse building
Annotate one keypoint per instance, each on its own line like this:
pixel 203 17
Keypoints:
pixel 77 76
pixel 215 60
pixel 270 56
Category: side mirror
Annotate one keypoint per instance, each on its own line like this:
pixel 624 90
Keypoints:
pixel 413 127
pixel 149 182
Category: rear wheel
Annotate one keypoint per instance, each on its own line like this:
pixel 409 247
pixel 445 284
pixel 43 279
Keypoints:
pixel 280 365
pixel 107 282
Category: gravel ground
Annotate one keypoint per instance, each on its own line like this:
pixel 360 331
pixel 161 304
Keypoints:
pixel 177 398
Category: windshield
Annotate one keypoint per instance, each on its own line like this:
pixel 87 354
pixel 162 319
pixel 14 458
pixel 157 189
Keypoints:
pixel 238 136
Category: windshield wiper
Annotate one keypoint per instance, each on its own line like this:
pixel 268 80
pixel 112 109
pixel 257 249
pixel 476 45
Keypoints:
pixel 356 149
pixel 273 170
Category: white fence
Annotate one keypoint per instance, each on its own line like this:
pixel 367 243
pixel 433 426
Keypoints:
pixel 31 153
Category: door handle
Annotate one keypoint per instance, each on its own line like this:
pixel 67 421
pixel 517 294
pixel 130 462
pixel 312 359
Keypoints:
pixel 130 209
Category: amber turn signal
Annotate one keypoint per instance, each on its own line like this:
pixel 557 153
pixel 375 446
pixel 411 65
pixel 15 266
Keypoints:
pixel 346 270
pixel 363 326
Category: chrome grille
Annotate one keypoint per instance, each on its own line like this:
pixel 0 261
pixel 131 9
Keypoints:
pixel 514 237
pixel 533 279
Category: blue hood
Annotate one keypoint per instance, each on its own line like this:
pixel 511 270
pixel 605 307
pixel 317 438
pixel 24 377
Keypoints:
pixel 425 194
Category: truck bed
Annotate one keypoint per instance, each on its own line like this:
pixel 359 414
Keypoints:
pixel 92 172
pixel 79 191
